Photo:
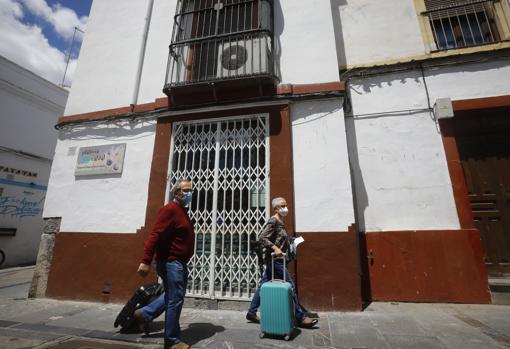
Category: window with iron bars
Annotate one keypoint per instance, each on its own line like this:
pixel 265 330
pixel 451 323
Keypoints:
pixel 220 40
pixel 462 23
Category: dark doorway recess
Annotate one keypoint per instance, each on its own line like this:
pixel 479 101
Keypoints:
pixel 483 140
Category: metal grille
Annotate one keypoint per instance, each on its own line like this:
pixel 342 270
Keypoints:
pixel 441 4
pixel 462 23
pixel 220 39
pixel 227 162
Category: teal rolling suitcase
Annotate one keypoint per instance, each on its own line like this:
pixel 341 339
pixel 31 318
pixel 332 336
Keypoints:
pixel 276 307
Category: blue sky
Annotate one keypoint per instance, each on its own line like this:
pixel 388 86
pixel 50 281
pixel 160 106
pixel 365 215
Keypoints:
pixel 80 7
pixel 37 35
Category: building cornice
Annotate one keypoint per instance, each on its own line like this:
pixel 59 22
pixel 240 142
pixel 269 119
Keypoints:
pixel 426 61
pixel 161 107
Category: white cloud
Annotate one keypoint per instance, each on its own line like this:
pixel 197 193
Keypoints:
pixel 63 19
pixel 27 46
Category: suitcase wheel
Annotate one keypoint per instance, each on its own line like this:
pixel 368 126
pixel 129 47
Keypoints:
pixel 287 337
pixel 261 335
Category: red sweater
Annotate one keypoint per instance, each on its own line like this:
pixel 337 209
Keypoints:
pixel 172 236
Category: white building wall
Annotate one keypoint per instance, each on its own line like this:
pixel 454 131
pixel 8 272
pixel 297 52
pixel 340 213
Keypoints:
pixel 322 182
pixel 105 79
pixel 102 203
pixel 106 71
pixel 369 31
pixel 400 174
pixel 470 80
pixel 399 166
pixel 304 32
pixel 30 106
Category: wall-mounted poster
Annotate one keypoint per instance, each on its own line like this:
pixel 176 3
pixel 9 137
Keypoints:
pixel 101 159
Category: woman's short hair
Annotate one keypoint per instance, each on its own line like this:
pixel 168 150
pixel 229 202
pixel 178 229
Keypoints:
pixel 276 201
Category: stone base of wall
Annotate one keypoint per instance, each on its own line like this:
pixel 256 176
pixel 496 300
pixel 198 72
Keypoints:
pixel 44 258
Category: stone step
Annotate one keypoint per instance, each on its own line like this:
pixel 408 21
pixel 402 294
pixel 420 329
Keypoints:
pixel 500 290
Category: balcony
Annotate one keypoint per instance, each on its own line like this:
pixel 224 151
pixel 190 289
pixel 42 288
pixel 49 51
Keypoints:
pixel 220 48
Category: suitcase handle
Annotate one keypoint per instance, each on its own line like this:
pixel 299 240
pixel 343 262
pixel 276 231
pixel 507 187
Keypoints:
pixel 273 257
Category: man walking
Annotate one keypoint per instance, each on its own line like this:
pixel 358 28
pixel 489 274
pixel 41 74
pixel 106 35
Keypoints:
pixel 172 241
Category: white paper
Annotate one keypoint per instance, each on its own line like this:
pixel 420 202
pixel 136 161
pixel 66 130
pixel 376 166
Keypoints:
pixel 297 241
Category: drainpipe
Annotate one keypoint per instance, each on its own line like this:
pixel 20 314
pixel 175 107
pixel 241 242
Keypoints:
pixel 141 56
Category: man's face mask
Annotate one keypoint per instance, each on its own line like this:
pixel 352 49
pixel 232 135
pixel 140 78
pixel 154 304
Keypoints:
pixel 186 198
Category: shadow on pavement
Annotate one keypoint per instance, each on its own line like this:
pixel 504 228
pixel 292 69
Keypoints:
pixel 193 334
pixel 155 326
pixel 199 331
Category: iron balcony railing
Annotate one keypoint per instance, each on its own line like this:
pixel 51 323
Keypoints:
pixel 462 23
pixel 216 40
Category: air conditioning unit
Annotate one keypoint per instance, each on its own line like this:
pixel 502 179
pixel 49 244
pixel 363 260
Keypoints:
pixel 243 57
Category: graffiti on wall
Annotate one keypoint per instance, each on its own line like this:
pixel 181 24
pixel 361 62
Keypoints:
pixel 12 206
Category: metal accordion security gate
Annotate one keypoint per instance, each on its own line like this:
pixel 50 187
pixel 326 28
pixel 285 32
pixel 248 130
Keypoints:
pixel 227 161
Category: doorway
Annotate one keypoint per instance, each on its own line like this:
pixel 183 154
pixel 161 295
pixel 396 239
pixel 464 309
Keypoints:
pixel 483 140
pixel 227 161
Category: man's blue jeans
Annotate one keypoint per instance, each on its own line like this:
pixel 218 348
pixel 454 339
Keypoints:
pixel 154 309
pixel 278 271
pixel 175 277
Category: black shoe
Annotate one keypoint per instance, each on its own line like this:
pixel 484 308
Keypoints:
pixel 308 322
pixel 252 318
pixel 312 315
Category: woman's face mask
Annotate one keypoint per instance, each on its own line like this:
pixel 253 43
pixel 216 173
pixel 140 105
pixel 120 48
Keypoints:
pixel 283 211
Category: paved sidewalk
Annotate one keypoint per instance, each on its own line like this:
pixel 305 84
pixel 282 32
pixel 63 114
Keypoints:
pixel 46 323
